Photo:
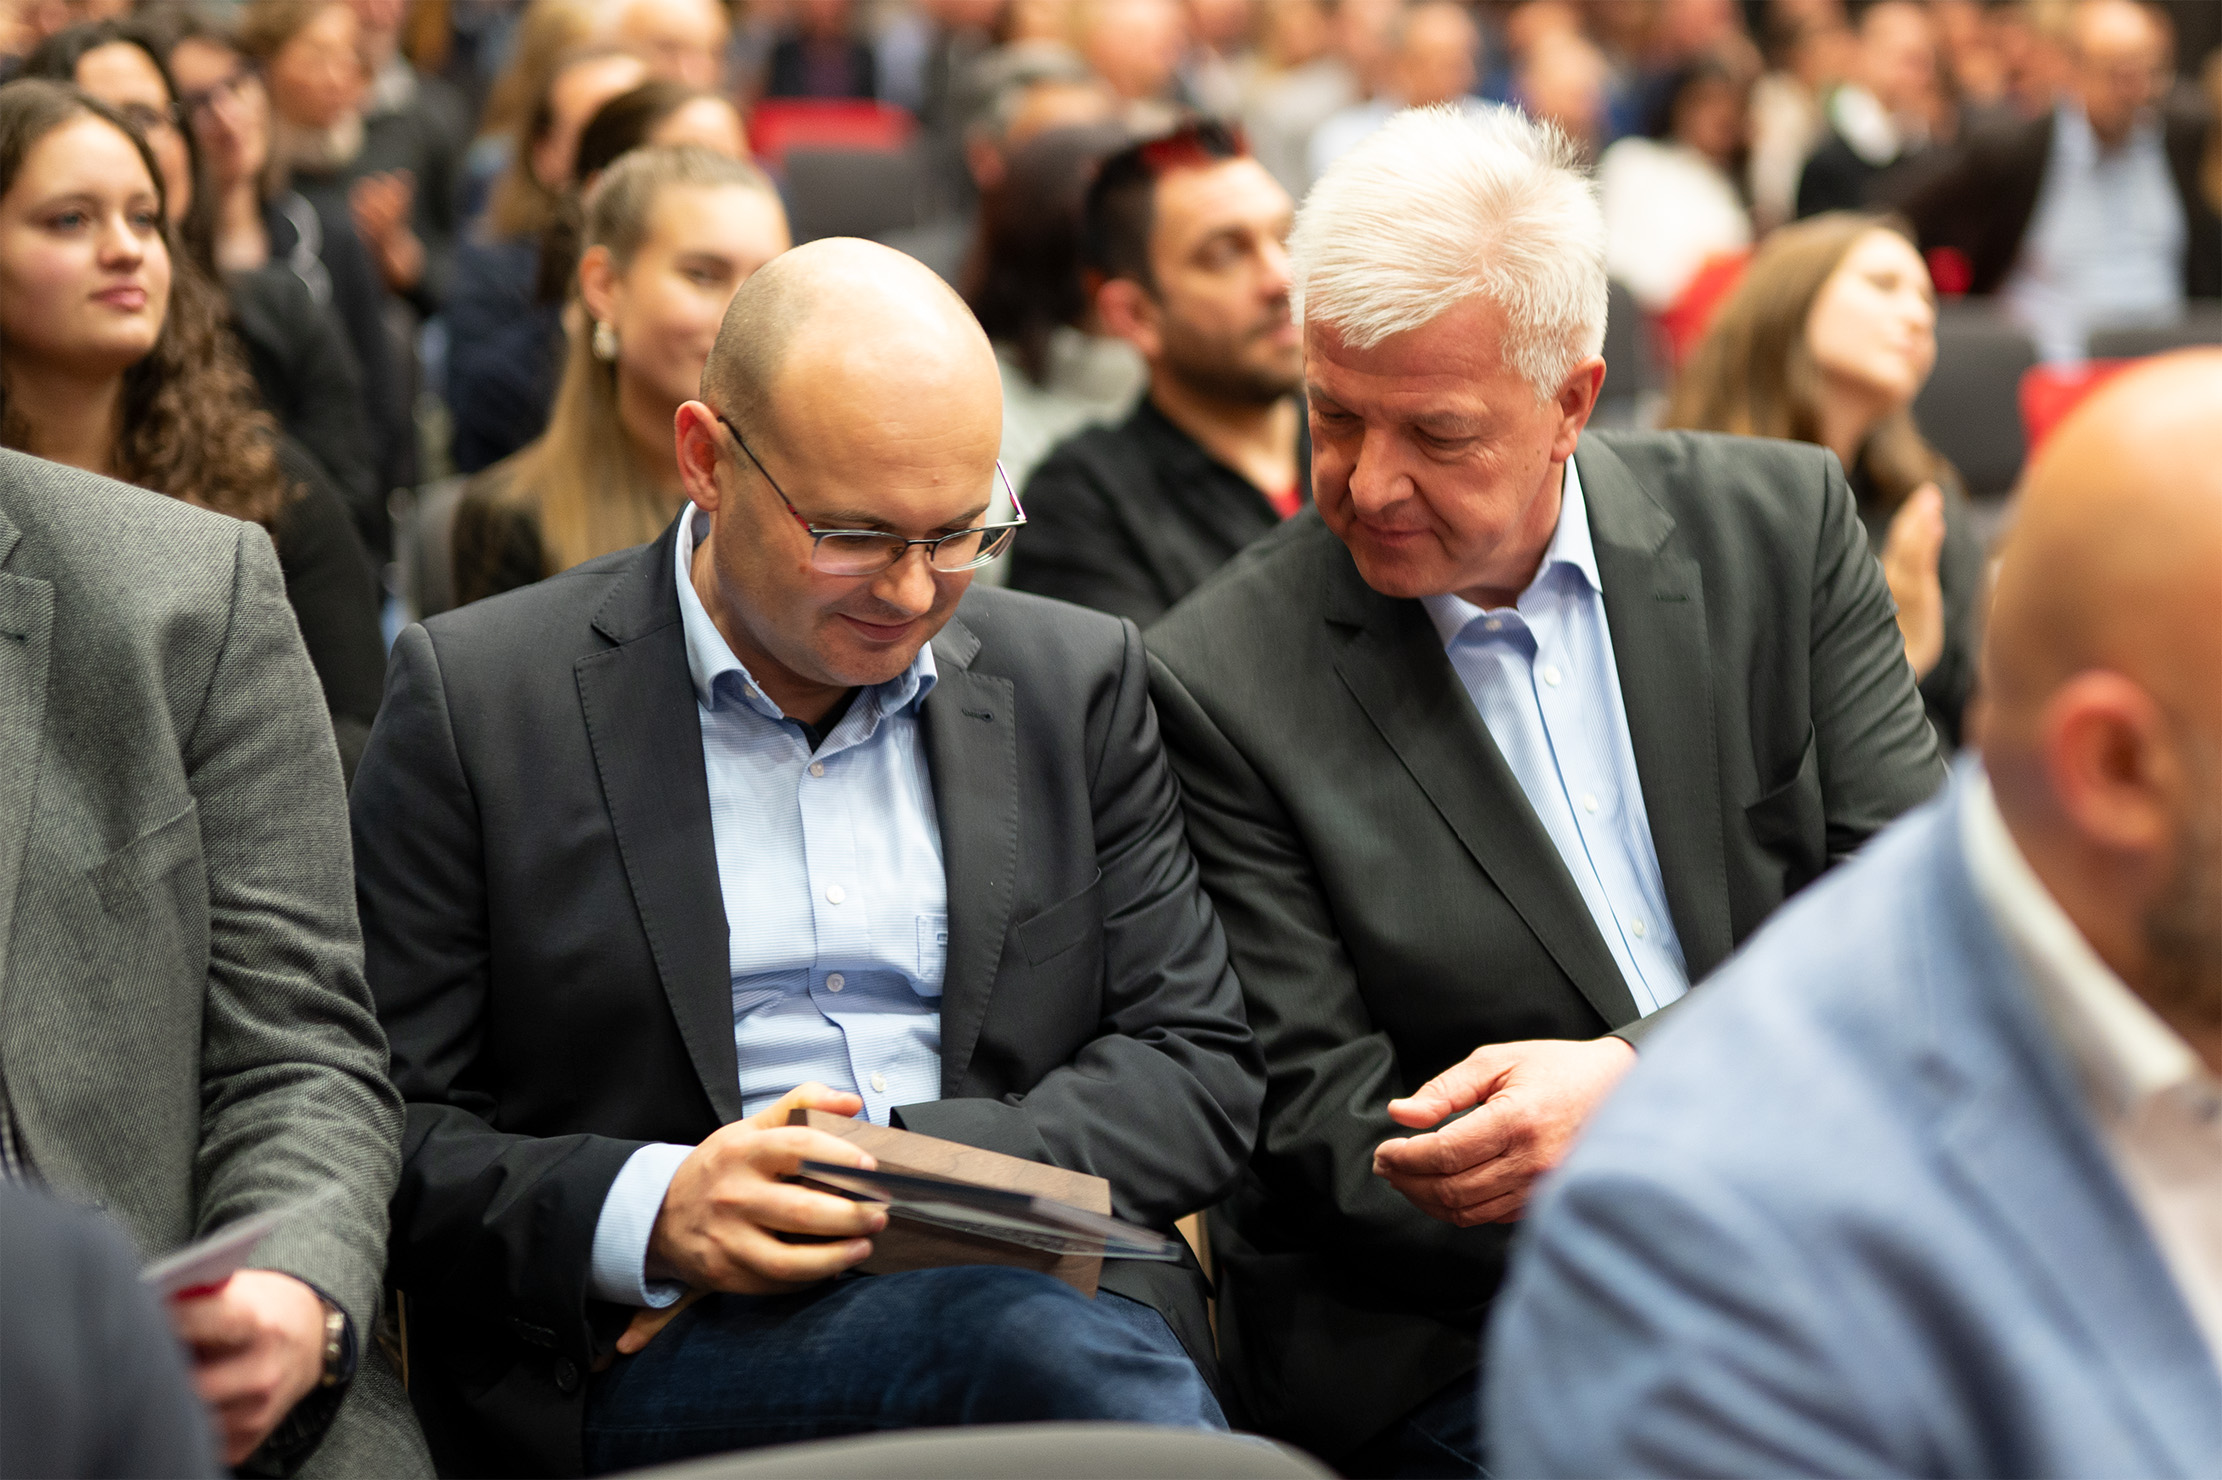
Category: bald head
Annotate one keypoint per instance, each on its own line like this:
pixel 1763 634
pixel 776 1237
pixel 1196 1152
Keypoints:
pixel 2102 723
pixel 2119 51
pixel 847 336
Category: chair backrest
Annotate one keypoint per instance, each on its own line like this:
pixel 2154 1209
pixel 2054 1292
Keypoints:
pixel 1970 409
pixel 1069 1451
pixel 2201 324
pixel 850 192
pixel 777 125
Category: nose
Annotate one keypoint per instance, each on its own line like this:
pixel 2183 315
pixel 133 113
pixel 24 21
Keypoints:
pixel 121 246
pixel 1279 276
pixel 1374 482
pixel 908 585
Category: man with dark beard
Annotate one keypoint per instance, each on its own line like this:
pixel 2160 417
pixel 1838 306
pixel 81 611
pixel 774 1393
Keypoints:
pixel 1930 1180
pixel 1185 250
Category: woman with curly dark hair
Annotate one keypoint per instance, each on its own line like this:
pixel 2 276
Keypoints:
pixel 115 360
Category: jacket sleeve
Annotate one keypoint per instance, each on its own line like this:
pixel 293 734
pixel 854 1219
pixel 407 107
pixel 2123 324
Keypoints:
pixel 484 1219
pixel 1074 546
pixel 294 1094
pixel 1876 752
pixel 335 597
pixel 1164 1103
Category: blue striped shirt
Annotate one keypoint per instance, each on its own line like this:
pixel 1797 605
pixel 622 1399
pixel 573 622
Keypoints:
pixel 1541 673
pixel 836 907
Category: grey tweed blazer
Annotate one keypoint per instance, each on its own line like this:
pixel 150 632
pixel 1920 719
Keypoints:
pixel 185 1033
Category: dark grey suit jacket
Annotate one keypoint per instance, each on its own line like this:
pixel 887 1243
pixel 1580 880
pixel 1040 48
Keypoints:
pixel 548 945
pixel 184 1030
pixel 1393 902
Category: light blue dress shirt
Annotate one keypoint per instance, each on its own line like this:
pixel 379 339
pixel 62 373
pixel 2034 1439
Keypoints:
pixel 1541 673
pixel 836 905
pixel 2105 242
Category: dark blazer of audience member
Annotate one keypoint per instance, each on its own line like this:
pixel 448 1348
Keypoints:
pixel 147 387
pixel 1983 203
pixel 186 1033
pixel 547 843
pixel 822 57
pixel 671 234
pixel 303 369
pixel 505 323
pixel 1879 140
pixel 399 179
pixel 95 1379
pixel 1184 250
pixel 1827 338
pixel 1476 784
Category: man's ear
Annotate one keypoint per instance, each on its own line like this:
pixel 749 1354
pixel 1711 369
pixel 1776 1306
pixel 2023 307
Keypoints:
pixel 2113 768
pixel 598 284
pixel 1577 400
pixel 698 437
pixel 1127 311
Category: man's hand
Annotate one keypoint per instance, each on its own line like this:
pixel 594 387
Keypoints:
pixel 1534 1099
pixel 720 1217
pixel 380 205
pixel 1912 547
pixel 258 1348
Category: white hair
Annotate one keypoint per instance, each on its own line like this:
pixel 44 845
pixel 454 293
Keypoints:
pixel 1444 204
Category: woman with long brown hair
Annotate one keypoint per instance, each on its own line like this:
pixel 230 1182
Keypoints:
pixel 115 360
pixel 1827 339
pixel 671 234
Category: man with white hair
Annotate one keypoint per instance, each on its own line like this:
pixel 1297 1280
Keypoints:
pixel 1490 760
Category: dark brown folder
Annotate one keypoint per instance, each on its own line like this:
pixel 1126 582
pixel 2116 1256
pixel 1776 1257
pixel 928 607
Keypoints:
pixel 902 1245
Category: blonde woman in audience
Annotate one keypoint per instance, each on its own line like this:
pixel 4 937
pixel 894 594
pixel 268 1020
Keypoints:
pixel 115 360
pixel 671 234
pixel 1827 339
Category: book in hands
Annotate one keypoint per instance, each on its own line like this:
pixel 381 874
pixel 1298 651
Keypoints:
pixel 1020 1218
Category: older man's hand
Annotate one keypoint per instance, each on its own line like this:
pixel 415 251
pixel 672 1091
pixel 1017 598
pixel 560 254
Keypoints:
pixel 257 1346
pixel 721 1219
pixel 1534 1098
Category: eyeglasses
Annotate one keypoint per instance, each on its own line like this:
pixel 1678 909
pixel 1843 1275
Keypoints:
pixel 146 118
pixel 866 552
pixel 193 104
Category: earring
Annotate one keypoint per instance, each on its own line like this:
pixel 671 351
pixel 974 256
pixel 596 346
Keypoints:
pixel 605 341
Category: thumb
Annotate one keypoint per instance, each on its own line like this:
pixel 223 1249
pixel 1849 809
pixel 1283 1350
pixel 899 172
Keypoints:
pixel 1462 1086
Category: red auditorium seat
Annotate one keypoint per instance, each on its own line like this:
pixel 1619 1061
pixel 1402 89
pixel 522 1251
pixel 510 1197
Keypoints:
pixel 780 124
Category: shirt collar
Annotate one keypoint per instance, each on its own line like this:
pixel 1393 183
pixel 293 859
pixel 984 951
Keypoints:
pixel 2075 142
pixel 1570 546
pixel 710 658
pixel 2125 1052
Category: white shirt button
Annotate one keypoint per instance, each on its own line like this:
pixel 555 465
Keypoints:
pixel 1492 625
pixel 835 894
pixel 1589 801
pixel 1635 928
pixel 879 1083
pixel 817 768
pixel 1550 675
pixel 836 982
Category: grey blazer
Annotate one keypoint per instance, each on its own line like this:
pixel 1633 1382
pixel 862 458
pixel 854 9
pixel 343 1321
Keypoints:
pixel 185 1034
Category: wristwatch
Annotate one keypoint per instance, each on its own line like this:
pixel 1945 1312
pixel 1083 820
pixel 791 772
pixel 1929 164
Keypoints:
pixel 339 1345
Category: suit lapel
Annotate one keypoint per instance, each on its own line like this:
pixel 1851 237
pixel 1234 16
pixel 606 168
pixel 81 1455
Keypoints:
pixel 1392 661
pixel 2014 1131
pixel 972 751
pixel 26 639
pixel 1655 605
pixel 646 733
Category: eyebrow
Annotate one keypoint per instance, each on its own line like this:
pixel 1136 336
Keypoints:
pixel 873 524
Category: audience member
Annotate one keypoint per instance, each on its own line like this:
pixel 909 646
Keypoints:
pixel 1218 41
pixel 2091 215
pixel 1185 241
pixel 115 360
pixel 397 180
pixel 1060 371
pixel 683 40
pixel 660 113
pixel 1296 83
pixel 1879 122
pixel 545 34
pixel 304 371
pixel 708 831
pixel 1135 46
pixel 1673 198
pixel 1475 765
pixel 411 122
pixel 187 1040
pixel 1435 48
pixel 1565 81
pixel 1927 1185
pixel 670 235
pixel 94 1382
pixel 821 56
pixel 1827 338
pixel 503 327
pixel 1787 123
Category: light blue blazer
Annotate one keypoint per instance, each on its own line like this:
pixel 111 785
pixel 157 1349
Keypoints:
pixel 1850 1216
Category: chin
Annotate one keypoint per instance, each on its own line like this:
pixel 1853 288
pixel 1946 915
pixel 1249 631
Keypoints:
pixel 1398 573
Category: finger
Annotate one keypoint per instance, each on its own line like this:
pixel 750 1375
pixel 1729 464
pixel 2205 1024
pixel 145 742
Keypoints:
pixel 646 1325
pixel 1480 1137
pixel 1460 1087
pixel 780 1152
pixel 1474 1187
pixel 770 1260
pixel 809 1096
pixel 783 1207
pixel 213 1323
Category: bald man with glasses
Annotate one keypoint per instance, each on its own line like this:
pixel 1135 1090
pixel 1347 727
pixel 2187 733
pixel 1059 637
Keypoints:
pixel 776 812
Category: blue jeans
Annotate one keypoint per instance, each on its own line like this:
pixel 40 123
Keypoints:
pixel 969 1344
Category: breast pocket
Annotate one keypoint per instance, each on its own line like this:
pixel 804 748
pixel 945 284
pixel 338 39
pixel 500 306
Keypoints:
pixel 143 865
pixel 1790 823
pixel 1065 926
